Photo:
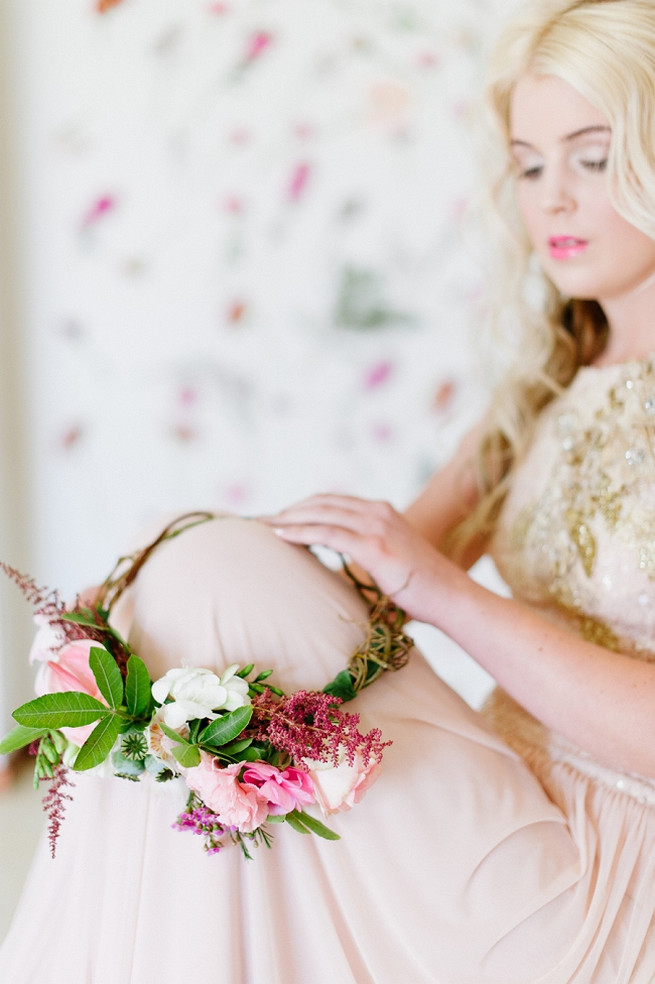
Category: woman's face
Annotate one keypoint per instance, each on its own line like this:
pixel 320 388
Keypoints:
pixel 560 143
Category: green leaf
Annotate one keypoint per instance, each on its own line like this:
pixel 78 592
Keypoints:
pixel 173 735
pixel 84 617
pixel 294 821
pixel 236 747
pixel 19 737
pixel 108 676
pixel 187 755
pixel 137 686
pixel 99 743
pixel 341 686
pixel 65 710
pixel 316 826
pixel 226 728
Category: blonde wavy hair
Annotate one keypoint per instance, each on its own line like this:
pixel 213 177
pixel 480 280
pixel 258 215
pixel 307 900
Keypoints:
pixel 605 49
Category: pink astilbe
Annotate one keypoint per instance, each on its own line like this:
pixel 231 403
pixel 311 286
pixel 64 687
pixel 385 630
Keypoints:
pixel 309 725
pixel 54 803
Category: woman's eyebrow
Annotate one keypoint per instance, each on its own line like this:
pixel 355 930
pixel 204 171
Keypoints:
pixel 584 131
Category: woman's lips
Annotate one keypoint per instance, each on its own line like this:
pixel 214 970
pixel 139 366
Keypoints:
pixel 565 247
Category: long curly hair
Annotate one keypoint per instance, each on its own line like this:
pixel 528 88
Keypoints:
pixel 605 49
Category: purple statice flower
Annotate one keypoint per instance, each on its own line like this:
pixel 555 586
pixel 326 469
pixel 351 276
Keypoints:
pixel 199 819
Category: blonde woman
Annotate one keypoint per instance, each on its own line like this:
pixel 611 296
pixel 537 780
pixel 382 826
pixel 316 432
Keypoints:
pixel 518 846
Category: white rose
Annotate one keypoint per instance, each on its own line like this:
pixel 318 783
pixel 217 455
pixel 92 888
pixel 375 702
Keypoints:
pixel 199 693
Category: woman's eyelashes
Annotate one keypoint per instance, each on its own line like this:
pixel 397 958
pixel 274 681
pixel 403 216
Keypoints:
pixel 533 170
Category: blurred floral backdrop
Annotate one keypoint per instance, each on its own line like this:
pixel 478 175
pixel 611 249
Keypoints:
pixel 246 275
pixel 242 272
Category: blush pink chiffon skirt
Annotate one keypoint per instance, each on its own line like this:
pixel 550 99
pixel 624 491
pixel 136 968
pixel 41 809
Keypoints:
pixel 459 866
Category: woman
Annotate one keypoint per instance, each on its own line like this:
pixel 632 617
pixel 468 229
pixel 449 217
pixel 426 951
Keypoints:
pixel 516 848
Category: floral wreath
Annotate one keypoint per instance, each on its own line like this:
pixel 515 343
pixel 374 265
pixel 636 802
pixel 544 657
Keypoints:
pixel 249 754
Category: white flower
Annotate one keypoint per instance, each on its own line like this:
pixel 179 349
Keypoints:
pixel 340 787
pixel 199 693
pixel 48 640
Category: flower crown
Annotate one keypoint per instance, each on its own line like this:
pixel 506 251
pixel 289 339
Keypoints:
pixel 249 754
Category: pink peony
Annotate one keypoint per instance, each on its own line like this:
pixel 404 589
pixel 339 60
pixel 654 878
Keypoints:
pixel 285 791
pixel 341 787
pixel 236 804
pixel 68 669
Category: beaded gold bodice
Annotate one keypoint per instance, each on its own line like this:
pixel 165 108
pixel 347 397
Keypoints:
pixel 576 538
pixel 577 532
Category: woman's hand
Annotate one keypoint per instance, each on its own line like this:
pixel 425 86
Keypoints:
pixel 376 538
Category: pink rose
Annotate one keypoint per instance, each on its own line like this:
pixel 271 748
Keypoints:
pixel 236 804
pixel 68 669
pixel 285 791
pixel 340 787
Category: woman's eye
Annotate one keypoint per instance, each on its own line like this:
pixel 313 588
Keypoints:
pixel 595 165
pixel 531 172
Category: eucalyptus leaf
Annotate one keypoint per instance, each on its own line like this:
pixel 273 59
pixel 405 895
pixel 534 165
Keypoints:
pixel 19 737
pixel 187 755
pixel 108 676
pixel 99 744
pixel 226 728
pixel 64 710
pixel 137 686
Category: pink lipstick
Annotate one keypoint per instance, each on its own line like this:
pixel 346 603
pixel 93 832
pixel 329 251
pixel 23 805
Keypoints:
pixel 566 247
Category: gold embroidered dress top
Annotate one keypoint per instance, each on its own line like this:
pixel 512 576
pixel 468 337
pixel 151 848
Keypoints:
pixel 576 539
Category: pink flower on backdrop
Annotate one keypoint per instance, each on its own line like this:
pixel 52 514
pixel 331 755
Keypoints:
pixel 236 804
pixel 234 205
pixel 340 787
pixel 445 395
pixel 71 437
pixel 188 396
pixel 298 181
pixel 377 375
pixel 381 432
pixel 236 494
pixel 285 791
pixel 258 43
pixel 304 130
pixel 219 8
pixel 240 136
pixel 65 670
pixel 101 207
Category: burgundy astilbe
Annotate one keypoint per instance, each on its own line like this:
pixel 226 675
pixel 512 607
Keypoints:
pixel 54 803
pixel 309 725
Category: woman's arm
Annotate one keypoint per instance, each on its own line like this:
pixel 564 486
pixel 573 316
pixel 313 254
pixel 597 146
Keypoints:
pixel 602 701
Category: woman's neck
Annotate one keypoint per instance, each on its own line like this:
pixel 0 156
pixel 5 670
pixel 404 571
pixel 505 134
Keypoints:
pixel 631 320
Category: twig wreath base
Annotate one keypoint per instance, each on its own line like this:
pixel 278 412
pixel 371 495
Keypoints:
pixel 250 754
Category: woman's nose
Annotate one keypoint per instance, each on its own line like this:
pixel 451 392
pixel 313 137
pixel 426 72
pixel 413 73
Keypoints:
pixel 557 195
